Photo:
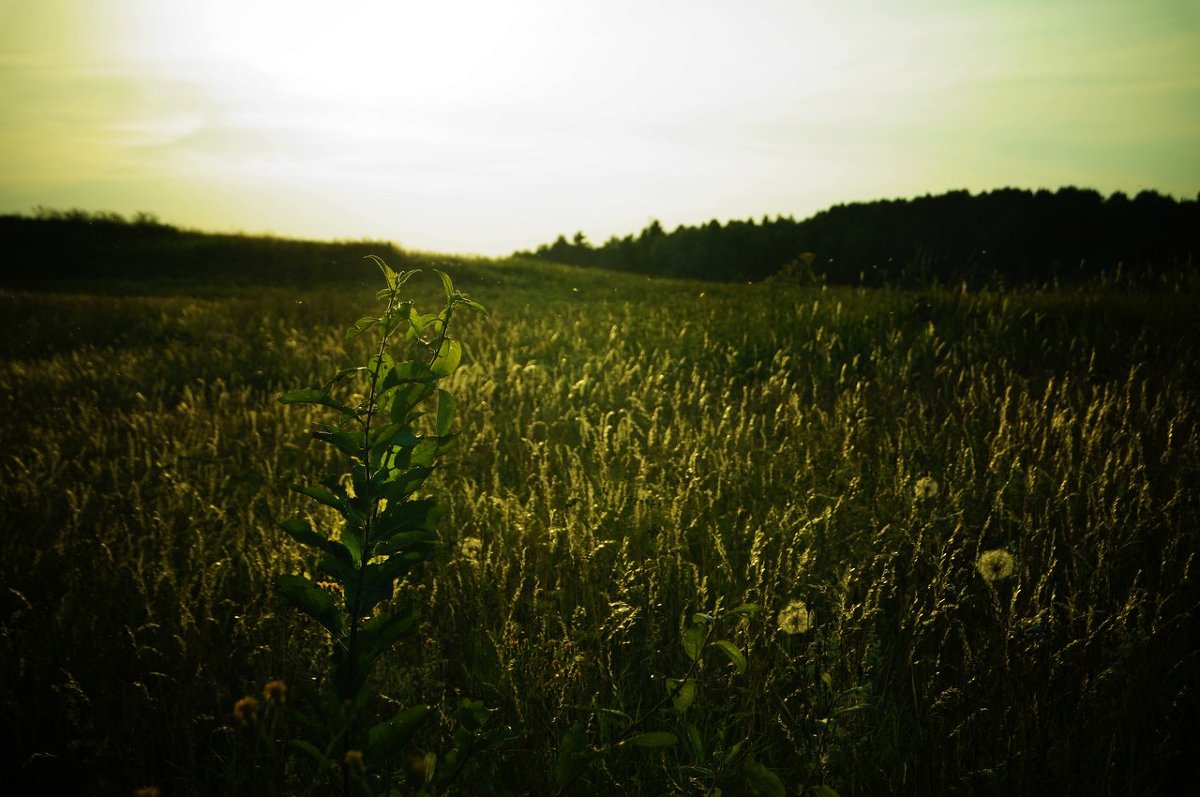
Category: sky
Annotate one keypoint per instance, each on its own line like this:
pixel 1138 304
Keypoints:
pixel 486 126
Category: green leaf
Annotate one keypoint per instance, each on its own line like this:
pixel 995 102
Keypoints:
pixel 388 274
pixel 301 531
pixel 421 324
pixel 388 441
pixel 404 438
pixel 693 641
pixel 405 484
pixel 389 739
pixel 422 514
pixel 695 740
pixel 349 443
pixel 310 396
pixel 408 372
pixel 655 739
pixel 352 538
pixel 341 571
pixel 312 752
pixel 474 305
pixel 682 694
pixel 322 496
pixel 382 631
pixel 472 714
pixel 392 319
pixel 734 653
pixel 424 453
pixel 448 357
pixel 413 382
pixel 447 284
pixel 572 755
pixel 378 584
pixel 361 326
pixel 746 610
pixel 408 397
pixel 306 596
pixel 421 541
pixel 762 780
pixel 405 276
pixel 445 413
pixel 841 712
pixel 381 366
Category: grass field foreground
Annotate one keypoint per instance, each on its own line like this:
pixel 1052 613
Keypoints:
pixel 632 452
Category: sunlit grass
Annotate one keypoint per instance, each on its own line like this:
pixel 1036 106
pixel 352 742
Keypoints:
pixel 631 452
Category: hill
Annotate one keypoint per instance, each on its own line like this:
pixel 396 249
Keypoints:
pixel 87 248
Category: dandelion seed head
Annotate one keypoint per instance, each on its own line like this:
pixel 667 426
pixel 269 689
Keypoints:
pixel 926 487
pixel 795 618
pixel 471 548
pixel 995 565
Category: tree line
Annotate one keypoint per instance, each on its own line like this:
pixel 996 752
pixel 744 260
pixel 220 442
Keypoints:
pixel 1007 236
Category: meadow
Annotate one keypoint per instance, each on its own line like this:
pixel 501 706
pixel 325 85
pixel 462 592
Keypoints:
pixel 632 452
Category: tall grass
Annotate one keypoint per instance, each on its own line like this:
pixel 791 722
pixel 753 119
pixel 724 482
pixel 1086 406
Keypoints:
pixel 632 452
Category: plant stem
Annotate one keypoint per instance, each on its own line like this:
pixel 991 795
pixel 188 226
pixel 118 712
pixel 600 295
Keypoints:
pixel 364 556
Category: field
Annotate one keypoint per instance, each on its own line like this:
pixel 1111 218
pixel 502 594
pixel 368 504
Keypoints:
pixel 632 452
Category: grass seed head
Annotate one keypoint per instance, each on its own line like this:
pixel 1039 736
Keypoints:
pixel 333 587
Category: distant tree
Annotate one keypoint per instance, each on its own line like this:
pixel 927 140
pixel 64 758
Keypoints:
pixel 1008 236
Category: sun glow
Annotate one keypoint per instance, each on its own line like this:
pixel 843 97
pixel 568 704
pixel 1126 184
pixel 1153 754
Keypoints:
pixel 369 54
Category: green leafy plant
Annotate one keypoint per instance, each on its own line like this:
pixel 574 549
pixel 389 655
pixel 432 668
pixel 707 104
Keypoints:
pixel 392 424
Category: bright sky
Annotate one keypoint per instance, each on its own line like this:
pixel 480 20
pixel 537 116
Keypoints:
pixel 484 126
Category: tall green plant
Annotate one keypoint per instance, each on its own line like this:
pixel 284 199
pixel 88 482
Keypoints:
pixel 392 423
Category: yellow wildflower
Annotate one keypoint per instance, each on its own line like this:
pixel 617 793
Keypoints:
pixel 354 760
pixel 275 690
pixel 243 710
pixel 146 791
